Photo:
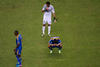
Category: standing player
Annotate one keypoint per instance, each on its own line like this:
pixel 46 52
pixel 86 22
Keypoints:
pixel 48 9
pixel 18 48
pixel 55 42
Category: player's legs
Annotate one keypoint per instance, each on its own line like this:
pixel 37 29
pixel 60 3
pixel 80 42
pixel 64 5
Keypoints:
pixel 18 59
pixel 19 56
pixel 43 28
pixel 50 47
pixel 49 26
pixel 59 47
pixel 49 29
pixel 16 53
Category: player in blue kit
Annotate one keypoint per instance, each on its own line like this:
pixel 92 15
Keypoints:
pixel 18 48
pixel 55 42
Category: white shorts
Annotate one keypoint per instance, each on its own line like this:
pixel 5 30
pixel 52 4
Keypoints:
pixel 46 20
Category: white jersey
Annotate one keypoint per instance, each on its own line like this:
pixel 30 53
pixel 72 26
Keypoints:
pixel 48 14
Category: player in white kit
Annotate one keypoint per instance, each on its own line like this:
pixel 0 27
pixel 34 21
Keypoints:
pixel 48 10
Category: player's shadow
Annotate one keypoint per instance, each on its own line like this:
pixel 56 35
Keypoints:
pixel 55 54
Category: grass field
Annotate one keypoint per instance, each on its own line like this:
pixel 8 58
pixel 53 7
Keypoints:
pixel 78 27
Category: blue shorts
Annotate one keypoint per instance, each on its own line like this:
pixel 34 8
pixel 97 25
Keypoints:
pixel 55 46
pixel 18 50
pixel 51 47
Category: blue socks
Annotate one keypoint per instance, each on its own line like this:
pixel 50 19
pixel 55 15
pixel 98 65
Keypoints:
pixel 19 60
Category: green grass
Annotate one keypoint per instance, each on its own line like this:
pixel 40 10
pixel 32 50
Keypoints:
pixel 78 27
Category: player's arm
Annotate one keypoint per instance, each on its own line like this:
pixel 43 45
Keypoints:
pixel 16 48
pixel 44 9
pixel 54 19
pixel 17 45
pixel 50 43
pixel 59 43
pixel 21 38
pixel 54 15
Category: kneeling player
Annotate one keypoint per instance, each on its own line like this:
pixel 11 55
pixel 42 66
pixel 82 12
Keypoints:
pixel 55 42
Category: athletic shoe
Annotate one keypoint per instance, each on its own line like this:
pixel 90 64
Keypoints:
pixel 49 35
pixel 20 65
pixel 59 51
pixel 50 51
pixel 42 35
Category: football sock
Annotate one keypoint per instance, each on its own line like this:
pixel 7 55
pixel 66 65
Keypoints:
pixel 18 59
pixel 49 29
pixel 43 29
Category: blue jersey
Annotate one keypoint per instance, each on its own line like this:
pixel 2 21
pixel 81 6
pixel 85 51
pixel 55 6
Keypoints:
pixel 19 41
pixel 53 42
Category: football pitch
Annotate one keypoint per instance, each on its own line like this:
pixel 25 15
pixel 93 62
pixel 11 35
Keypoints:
pixel 78 27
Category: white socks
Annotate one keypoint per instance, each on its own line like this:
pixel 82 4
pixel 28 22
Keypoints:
pixel 43 29
pixel 49 29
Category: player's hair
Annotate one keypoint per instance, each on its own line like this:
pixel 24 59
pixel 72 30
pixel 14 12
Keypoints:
pixel 55 41
pixel 48 2
pixel 16 32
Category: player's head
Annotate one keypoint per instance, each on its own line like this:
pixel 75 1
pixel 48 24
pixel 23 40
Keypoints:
pixel 55 40
pixel 16 32
pixel 48 3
